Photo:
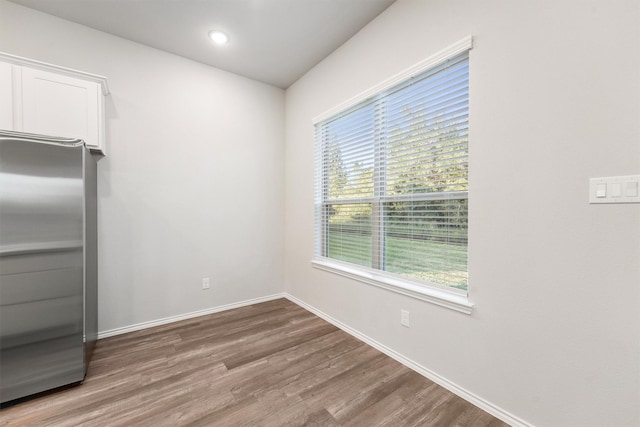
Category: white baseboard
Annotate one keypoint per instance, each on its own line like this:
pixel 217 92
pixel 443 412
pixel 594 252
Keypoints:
pixel 452 387
pixel 165 320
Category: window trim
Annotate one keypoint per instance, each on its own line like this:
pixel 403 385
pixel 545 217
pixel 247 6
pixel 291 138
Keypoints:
pixel 447 298
pixel 385 280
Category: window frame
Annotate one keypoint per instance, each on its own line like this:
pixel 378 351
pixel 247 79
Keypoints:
pixel 444 296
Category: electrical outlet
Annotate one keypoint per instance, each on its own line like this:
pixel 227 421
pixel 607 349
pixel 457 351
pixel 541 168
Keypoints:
pixel 205 283
pixel 404 318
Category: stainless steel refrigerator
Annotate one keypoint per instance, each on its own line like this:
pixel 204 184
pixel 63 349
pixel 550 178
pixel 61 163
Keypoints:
pixel 48 262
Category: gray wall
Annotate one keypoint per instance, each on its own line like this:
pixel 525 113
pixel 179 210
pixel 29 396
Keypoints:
pixel 192 185
pixel 554 100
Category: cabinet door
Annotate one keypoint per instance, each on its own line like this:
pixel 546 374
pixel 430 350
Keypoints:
pixel 60 105
pixel 6 96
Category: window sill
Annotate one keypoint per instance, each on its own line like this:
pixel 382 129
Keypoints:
pixel 442 298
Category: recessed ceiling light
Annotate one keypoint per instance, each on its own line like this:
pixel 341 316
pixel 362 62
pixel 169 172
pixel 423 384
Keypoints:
pixel 218 37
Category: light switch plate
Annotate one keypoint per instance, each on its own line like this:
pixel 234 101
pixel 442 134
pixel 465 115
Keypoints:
pixel 615 189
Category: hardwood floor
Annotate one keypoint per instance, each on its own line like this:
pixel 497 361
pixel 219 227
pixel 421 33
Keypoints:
pixel 270 364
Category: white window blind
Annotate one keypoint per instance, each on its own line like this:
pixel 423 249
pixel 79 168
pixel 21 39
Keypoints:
pixel 392 181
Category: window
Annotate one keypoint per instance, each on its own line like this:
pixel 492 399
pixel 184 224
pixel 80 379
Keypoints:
pixel 392 180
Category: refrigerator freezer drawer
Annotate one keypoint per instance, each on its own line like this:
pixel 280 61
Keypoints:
pixel 39 366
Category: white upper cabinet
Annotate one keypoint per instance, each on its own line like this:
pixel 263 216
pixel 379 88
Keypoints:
pixel 54 104
pixel 46 99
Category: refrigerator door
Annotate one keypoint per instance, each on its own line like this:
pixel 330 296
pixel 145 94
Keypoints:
pixel 41 265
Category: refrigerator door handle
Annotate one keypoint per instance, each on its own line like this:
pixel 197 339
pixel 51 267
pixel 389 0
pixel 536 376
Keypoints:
pixel 42 139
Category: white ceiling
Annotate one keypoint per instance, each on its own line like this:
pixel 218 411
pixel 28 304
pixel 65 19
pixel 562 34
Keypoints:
pixel 273 41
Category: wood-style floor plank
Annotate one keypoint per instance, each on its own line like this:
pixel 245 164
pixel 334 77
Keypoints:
pixel 269 364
